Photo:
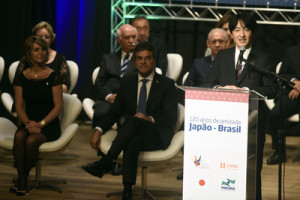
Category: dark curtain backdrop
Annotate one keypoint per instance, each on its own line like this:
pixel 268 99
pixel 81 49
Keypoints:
pixel 83 35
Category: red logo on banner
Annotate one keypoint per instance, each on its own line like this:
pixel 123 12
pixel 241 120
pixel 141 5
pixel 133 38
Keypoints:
pixel 201 182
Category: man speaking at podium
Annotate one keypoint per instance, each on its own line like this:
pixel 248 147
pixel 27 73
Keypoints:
pixel 230 72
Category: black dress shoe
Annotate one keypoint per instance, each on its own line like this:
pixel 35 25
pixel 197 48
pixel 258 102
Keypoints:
pixel 180 176
pixel 91 169
pixel 117 169
pixel 99 168
pixel 274 159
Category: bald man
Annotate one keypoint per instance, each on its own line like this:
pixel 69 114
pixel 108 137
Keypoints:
pixel 216 41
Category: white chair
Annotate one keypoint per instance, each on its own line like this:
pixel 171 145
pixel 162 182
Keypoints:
pixel 71 109
pixel 185 77
pixel 148 158
pixel 73 74
pixel 270 102
pixel 175 63
pixel 12 71
pixel 6 98
pixel 1 67
pixel 7 102
pixel 88 103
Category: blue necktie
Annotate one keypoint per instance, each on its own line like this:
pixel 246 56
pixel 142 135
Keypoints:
pixel 143 97
pixel 124 65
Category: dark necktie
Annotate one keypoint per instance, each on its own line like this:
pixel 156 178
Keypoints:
pixel 124 65
pixel 239 66
pixel 143 97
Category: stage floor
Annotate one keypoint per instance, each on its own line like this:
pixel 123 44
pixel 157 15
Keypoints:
pixel 83 186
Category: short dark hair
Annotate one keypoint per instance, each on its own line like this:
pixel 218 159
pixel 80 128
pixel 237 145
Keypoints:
pixel 138 17
pixel 145 46
pixel 247 18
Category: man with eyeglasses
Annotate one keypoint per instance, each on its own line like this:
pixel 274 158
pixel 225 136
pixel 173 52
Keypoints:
pixel 216 41
pixel 142 25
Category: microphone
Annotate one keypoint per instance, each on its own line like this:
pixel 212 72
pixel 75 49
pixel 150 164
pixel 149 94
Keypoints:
pixel 240 59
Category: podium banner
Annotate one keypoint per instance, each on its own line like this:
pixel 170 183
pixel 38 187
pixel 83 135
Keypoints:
pixel 215 144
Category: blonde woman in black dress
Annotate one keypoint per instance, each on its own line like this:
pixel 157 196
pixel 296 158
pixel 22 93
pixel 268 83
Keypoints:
pixel 56 60
pixel 39 89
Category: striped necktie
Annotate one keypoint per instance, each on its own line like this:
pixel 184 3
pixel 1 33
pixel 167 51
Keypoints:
pixel 143 97
pixel 124 65
pixel 239 66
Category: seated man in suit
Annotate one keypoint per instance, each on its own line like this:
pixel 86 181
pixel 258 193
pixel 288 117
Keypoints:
pixel 142 25
pixel 290 70
pixel 148 103
pixel 216 41
pixel 228 73
pixel 113 68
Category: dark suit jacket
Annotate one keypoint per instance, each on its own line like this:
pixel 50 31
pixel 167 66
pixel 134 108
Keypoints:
pixel 223 72
pixel 199 71
pixel 160 53
pixel 108 78
pixel 290 64
pixel 161 105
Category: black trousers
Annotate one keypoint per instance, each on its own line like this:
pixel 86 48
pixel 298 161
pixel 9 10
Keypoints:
pixel 100 110
pixel 291 107
pixel 134 135
pixel 260 142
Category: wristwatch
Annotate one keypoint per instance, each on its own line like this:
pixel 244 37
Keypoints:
pixel 43 123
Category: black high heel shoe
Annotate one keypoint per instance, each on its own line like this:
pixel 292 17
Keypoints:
pixel 21 191
pixel 13 189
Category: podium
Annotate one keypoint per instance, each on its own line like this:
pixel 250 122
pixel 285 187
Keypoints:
pixel 220 144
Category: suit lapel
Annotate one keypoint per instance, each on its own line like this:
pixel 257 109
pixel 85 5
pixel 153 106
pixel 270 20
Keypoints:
pixel 117 63
pixel 130 68
pixel 207 68
pixel 153 90
pixel 231 63
pixel 132 93
pixel 246 68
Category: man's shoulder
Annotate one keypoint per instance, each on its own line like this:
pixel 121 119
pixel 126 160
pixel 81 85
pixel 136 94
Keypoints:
pixel 203 59
pixel 293 49
pixel 155 40
pixel 227 51
pixel 260 53
pixel 163 79
pixel 111 55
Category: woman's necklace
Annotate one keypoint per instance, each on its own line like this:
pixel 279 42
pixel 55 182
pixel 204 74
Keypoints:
pixel 36 73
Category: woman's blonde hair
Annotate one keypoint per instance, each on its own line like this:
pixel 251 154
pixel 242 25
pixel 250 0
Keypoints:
pixel 45 25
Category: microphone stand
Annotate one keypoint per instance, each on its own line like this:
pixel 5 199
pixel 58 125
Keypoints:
pixel 281 130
